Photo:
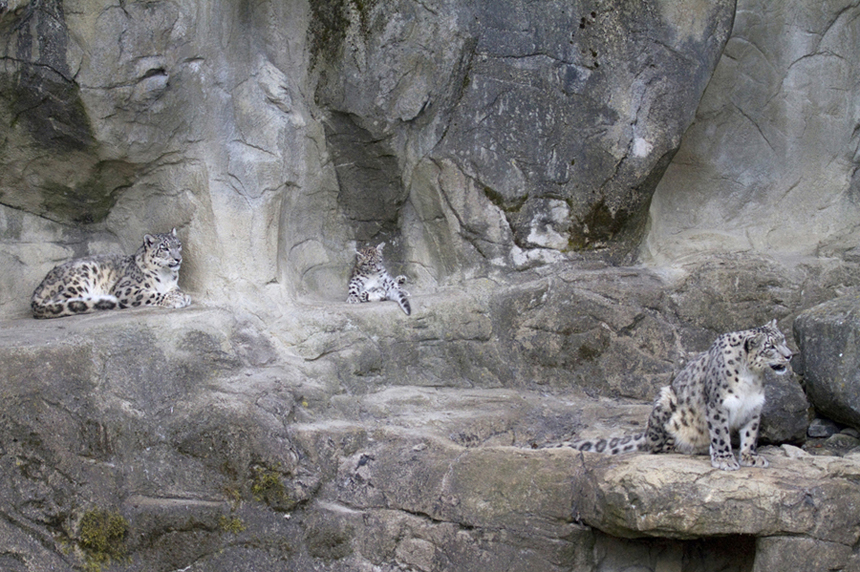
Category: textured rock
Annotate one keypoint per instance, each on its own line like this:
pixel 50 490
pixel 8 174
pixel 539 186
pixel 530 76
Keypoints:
pixel 143 118
pixel 682 497
pixel 822 428
pixel 484 142
pixel 348 435
pixel 769 164
pixel 276 135
pixel 188 425
pixel 560 116
pixel 827 336
pixel 586 324
pixel 786 411
pixel 722 291
pixel 791 553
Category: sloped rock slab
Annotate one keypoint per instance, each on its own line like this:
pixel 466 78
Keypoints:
pixel 683 497
pixel 829 339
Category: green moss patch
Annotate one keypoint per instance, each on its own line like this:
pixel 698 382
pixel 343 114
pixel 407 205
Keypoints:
pixel 102 538
pixel 267 487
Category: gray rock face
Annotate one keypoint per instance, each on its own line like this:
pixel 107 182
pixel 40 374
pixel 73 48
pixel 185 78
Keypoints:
pixel 561 116
pixel 827 336
pixel 340 435
pixel 468 136
pixel 769 164
pixel 791 553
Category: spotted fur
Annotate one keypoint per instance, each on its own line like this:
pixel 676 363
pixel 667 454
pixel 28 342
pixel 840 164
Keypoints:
pixel 149 277
pixel 721 391
pixel 371 282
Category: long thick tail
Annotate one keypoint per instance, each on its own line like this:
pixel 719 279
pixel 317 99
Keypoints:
pixel 401 298
pixel 71 306
pixel 611 446
pixel 399 295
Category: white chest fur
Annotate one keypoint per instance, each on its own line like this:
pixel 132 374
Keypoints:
pixel 168 280
pixel 746 399
pixel 372 281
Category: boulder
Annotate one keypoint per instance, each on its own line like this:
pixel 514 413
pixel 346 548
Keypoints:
pixel 683 497
pixel 826 335
pixel 785 416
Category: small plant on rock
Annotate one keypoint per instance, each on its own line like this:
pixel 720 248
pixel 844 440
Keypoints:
pixel 102 538
pixel 233 525
pixel 266 486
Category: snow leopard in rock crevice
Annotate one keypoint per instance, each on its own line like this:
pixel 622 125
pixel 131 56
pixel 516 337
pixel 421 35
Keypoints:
pixel 718 393
pixel 148 277
pixel 371 282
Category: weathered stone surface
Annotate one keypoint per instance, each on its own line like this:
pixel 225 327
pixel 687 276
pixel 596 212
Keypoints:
pixel 227 448
pixel 725 292
pixel 827 336
pixel 153 116
pixel 514 97
pixel 277 134
pixel 484 142
pixel 585 324
pixel 792 553
pixel 102 411
pixel 769 165
pixel 683 497
pixel 786 411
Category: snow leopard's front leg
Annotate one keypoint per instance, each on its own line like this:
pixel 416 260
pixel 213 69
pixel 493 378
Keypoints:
pixel 175 299
pixel 721 443
pixel 375 294
pixel 748 436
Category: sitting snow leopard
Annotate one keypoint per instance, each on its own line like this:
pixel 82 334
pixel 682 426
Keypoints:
pixel 149 277
pixel 719 392
pixel 371 282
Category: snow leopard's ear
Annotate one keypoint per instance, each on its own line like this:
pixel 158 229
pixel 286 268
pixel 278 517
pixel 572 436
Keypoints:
pixel 148 239
pixel 755 342
pixel 173 232
pixel 379 247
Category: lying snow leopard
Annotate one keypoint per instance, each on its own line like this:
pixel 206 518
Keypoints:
pixel 720 391
pixel 149 277
pixel 371 282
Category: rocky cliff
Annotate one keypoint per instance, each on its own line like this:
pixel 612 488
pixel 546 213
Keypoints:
pixel 583 195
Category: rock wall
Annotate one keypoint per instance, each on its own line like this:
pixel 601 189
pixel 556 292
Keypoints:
pixel 212 445
pixel 276 135
pixel 770 163
pixel 508 153
pixel 127 119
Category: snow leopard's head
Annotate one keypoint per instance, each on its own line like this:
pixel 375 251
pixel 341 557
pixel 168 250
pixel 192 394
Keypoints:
pixel 162 251
pixel 766 347
pixel 369 257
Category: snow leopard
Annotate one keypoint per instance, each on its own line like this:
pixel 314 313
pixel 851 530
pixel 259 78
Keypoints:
pixel 106 282
pixel 371 282
pixel 718 393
